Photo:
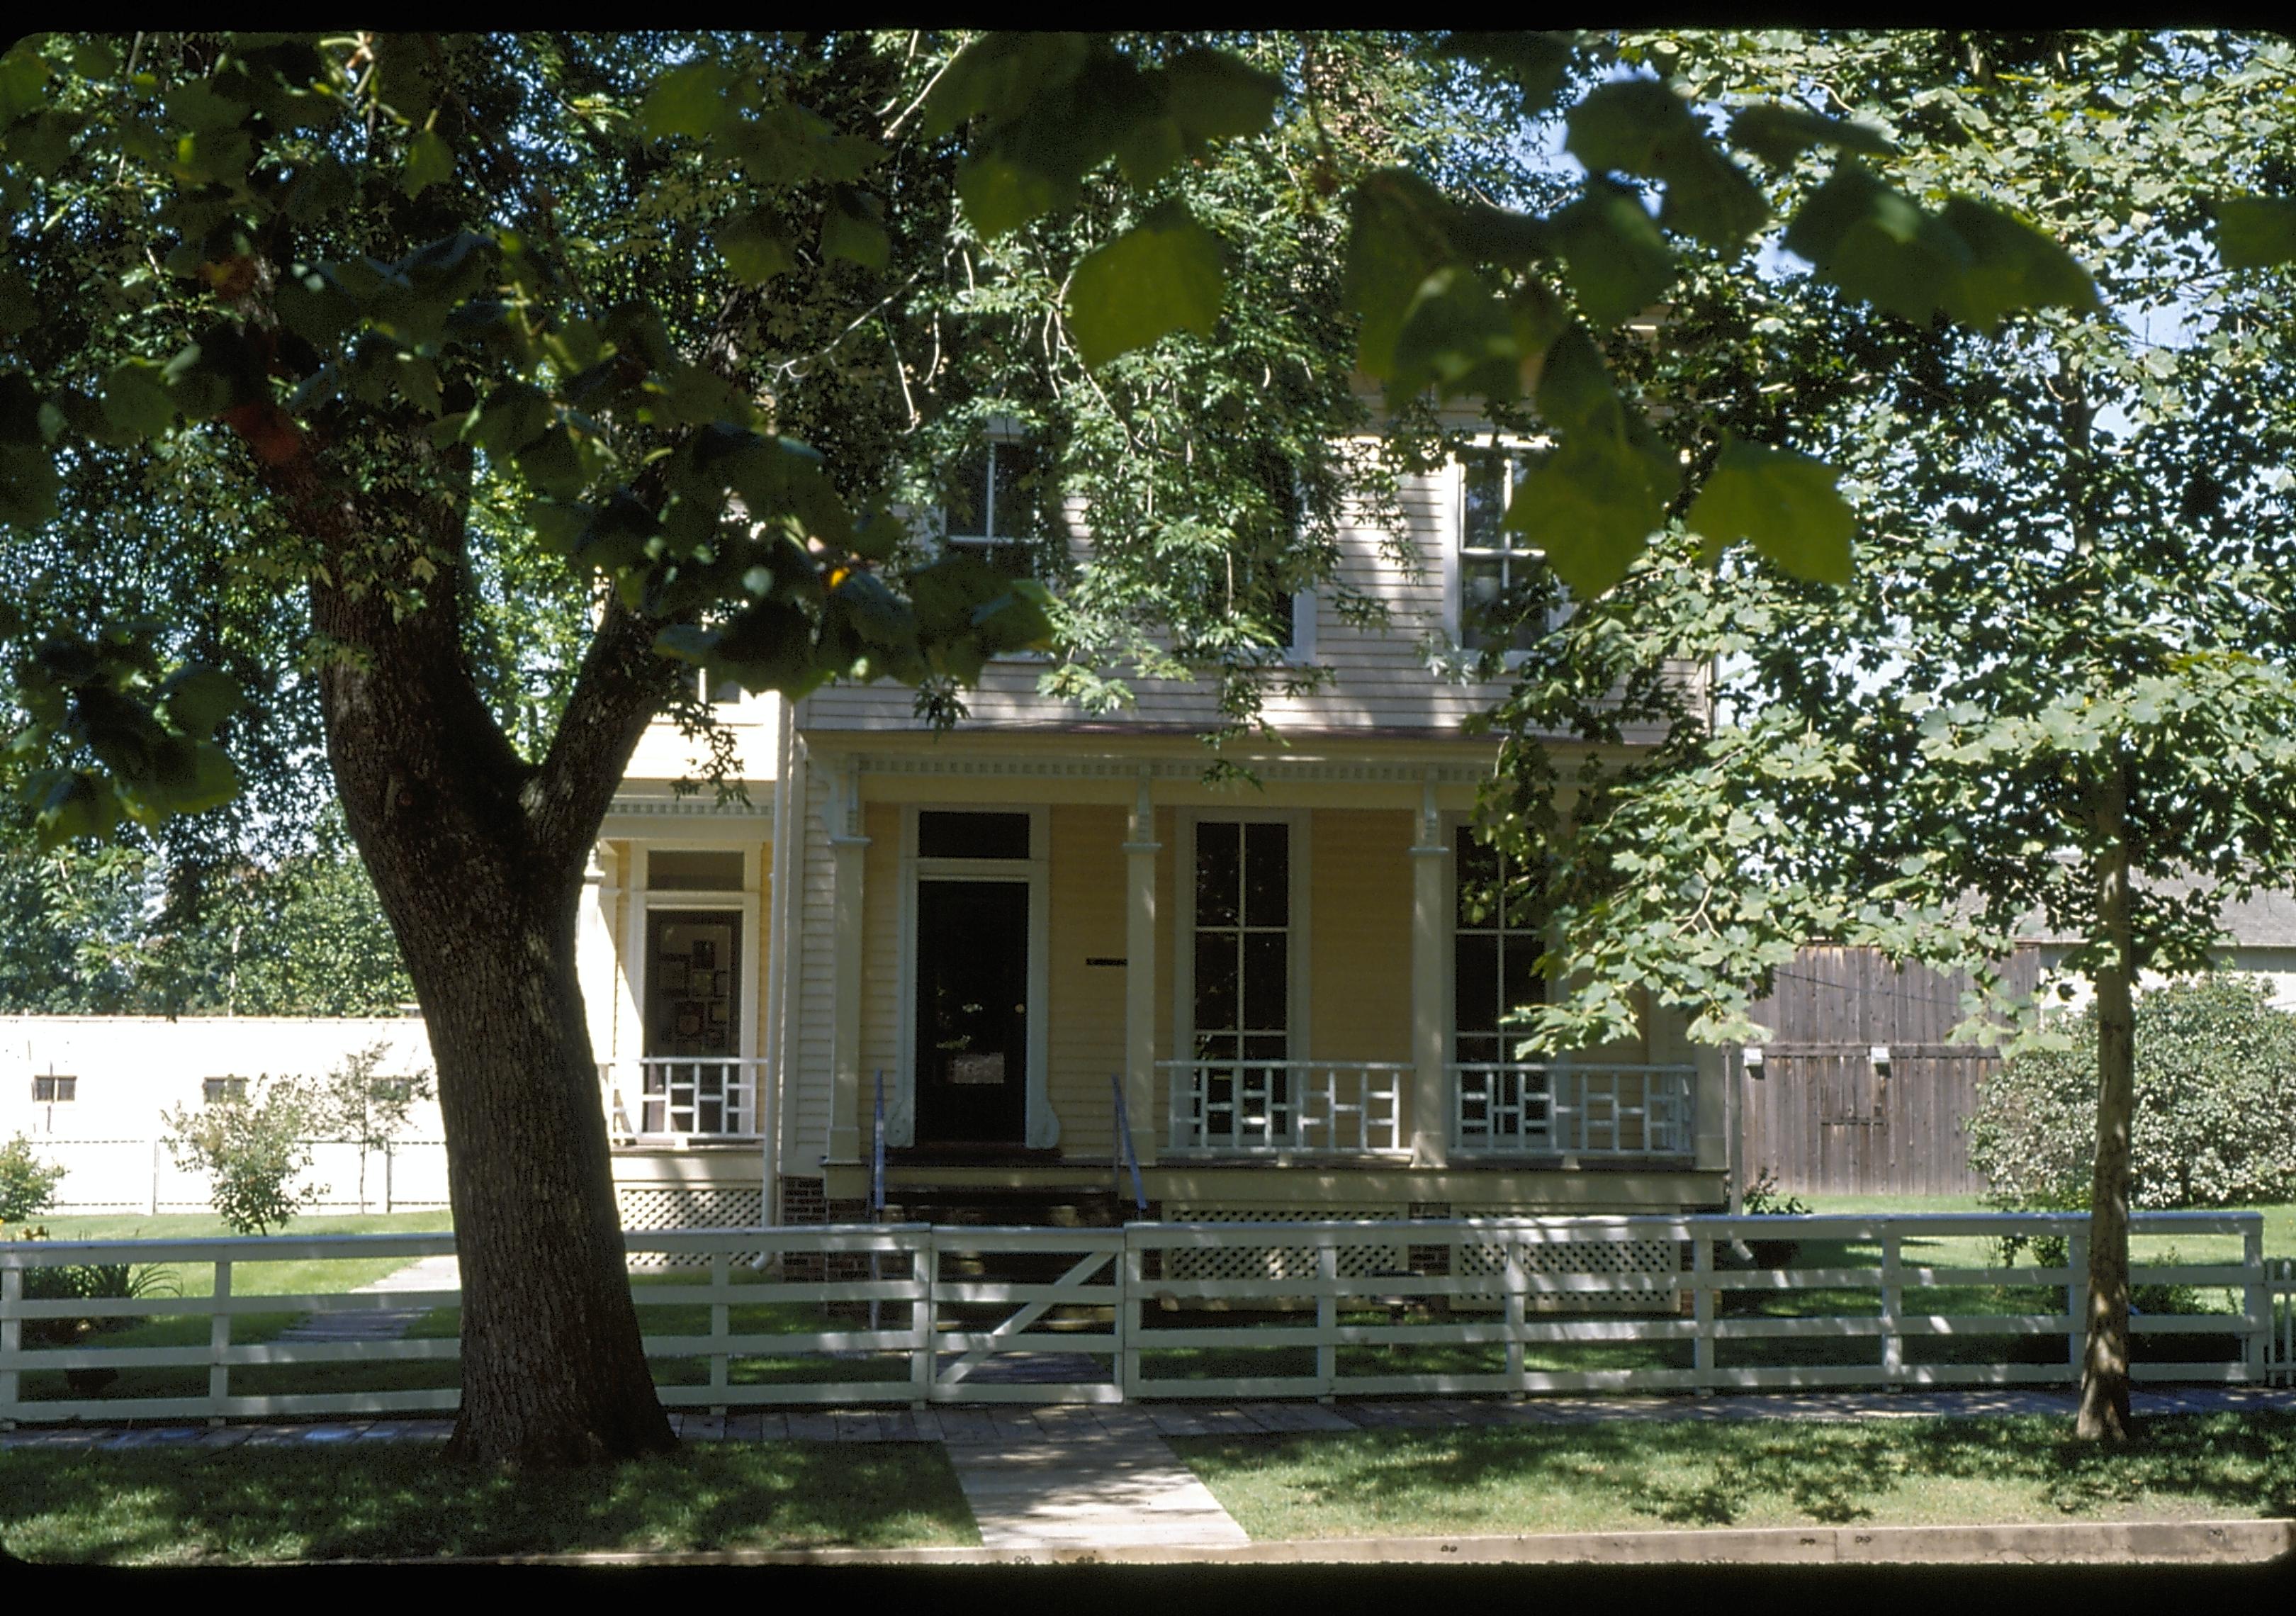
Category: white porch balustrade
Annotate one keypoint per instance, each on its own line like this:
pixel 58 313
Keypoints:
pixel 1566 1108
pixel 1266 1108
pixel 678 1099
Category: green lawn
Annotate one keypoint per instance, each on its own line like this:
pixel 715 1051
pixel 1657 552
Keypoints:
pixel 396 1499
pixel 1629 1475
pixel 304 1278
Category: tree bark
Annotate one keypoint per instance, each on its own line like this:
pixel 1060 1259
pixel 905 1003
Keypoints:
pixel 478 858
pixel 2104 1412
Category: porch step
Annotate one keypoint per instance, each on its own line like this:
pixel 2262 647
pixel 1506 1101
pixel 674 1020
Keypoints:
pixel 967 1207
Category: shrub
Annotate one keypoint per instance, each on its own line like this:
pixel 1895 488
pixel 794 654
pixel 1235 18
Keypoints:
pixel 87 1282
pixel 27 1184
pixel 253 1148
pixel 2216 1107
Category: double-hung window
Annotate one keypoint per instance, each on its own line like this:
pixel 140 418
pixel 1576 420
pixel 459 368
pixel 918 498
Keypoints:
pixel 1505 593
pixel 992 506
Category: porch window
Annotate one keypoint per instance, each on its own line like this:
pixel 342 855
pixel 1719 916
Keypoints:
pixel 1500 574
pixel 1242 968
pixel 1500 933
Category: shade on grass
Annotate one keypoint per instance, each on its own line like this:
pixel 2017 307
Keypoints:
pixel 1631 1474
pixel 396 1499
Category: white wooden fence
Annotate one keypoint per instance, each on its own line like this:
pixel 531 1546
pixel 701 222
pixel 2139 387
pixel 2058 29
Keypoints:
pixel 138 1174
pixel 916 1314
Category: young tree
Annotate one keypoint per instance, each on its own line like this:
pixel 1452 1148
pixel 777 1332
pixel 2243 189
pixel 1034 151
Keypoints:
pixel 397 321
pixel 252 1145
pixel 2059 680
pixel 358 1102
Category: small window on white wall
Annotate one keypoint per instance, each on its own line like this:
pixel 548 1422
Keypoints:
pixel 992 504
pixel 52 1090
pixel 1497 568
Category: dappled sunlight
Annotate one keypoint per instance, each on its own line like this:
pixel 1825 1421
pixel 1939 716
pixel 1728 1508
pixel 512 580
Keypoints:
pixel 395 1499
pixel 1629 1475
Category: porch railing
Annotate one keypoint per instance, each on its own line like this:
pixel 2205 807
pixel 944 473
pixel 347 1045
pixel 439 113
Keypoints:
pixel 679 1099
pixel 1264 1108
pixel 1568 1108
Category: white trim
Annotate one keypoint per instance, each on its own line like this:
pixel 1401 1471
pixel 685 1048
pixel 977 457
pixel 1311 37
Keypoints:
pixel 1455 535
pixel 1042 1125
pixel 1297 1004
pixel 748 902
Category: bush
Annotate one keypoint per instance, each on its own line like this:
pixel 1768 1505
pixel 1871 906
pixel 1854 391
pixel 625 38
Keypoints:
pixel 87 1282
pixel 27 1184
pixel 253 1148
pixel 2216 1107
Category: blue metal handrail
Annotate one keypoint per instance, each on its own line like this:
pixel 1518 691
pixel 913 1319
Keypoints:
pixel 1124 1139
pixel 877 1153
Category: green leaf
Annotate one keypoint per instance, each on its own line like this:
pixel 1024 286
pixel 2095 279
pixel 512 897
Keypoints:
pixel 1214 96
pixel 198 699
pixel 1461 339
pixel 1779 134
pixel 76 805
pixel 2012 267
pixel 1878 245
pixel 430 161
pixel 1783 503
pixel 2255 232
pixel 1576 393
pixel 999 75
pixel 753 250
pixel 29 485
pixel 1163 276
pixel 1616 261
pixel 19 409
pixel 1395 241
pixel 1641 127
pixel 135 401
pixel 1591 506
pixel 310 303
pixel 23 82
pixel 852 229
pixel 688 100
pixel 1534 64
pixel 514 414
pixel 1000 196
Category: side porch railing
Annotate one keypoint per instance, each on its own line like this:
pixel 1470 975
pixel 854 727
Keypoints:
pixel 1267 1108
pixel 678 1100
pixel 1569 1108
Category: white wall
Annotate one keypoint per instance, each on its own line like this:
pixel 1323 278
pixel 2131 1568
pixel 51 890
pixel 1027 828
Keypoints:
pixel 2275 967
pixel 132 1068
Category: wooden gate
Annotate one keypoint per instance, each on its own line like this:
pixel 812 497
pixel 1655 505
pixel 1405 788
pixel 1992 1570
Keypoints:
pixel 1827 1116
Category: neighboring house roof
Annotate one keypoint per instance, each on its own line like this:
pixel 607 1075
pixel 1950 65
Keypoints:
pixel 2263 920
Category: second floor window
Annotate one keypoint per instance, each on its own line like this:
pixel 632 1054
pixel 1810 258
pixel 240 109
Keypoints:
pixel 992 506
pixel 1498 567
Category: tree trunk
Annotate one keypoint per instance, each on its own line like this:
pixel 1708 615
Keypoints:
pixel 477 857
pixel 2104 1359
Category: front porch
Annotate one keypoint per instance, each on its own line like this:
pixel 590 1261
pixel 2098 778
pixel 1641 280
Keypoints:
pixel 1046 971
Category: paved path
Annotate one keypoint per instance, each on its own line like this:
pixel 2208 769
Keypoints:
pixel 380 1323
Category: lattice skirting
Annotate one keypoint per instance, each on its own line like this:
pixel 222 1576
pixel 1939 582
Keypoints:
pixel 677 1207
pixel 1648 1265
pixel 1372 1257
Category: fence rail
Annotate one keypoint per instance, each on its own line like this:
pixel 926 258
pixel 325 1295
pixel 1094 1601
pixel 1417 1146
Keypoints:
pixel 139 1175
pixel 915 1314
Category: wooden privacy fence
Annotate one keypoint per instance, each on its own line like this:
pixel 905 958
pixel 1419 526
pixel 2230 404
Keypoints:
pixel 916 1314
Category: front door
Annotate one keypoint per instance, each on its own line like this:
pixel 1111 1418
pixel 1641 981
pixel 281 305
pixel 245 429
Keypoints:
pixel 973 1012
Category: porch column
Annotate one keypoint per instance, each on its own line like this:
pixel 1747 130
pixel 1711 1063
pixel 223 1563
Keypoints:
pixel 1140 850
pixel 1430 899
pixel 846 846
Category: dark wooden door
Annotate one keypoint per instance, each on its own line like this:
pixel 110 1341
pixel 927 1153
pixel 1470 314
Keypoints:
pixel 973 1012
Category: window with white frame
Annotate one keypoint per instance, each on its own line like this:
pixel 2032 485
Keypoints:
pixel 1496 939
pixel 1502 577
pixel 216 1090
pixel 54 1090
pixel 991 505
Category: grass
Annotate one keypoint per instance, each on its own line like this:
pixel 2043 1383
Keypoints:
pixel 396 1500
pixel 313 1277
pixel 1620 1476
